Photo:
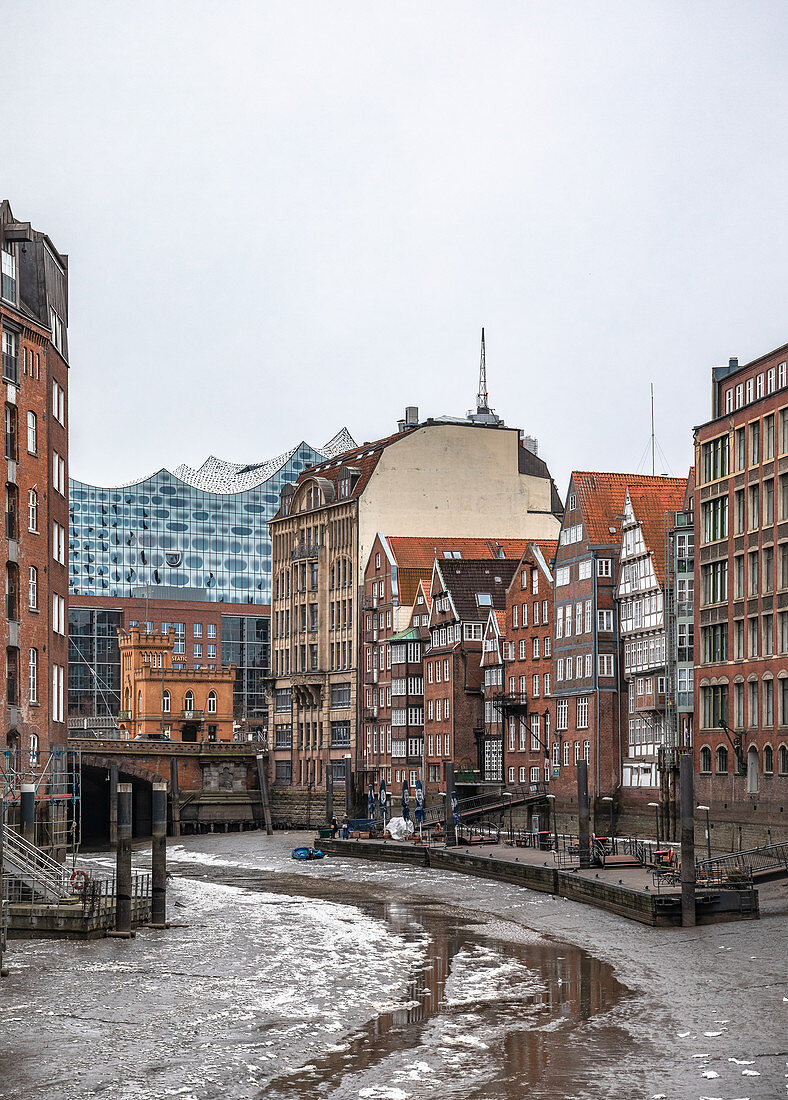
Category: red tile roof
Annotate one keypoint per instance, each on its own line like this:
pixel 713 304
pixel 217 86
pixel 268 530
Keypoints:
pixel 601 498
pixel 414 555
pixel 649 506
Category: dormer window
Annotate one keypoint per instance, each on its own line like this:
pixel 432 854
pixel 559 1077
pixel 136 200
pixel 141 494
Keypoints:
pixel 484 599
pixel 346 481
pixel 8 267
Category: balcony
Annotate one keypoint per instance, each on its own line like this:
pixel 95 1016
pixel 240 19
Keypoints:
pixel 304 550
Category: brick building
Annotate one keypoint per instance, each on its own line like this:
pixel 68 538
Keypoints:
pixel 439 478
pixel 523 704
pixel 34 337
pixel 206 634
pixel 169 702
pixel 463 593
pixel 395 613
pixel 741 599
pixel 591 715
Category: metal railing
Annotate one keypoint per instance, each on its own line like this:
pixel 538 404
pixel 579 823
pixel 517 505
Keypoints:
pixel 24 863
pixel 478 804
pixel 305 550
pixel 752 861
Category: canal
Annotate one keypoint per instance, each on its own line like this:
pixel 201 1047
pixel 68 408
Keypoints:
pixel 346 979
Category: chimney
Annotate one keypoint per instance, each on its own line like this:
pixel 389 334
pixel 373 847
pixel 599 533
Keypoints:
pixel 411 415
pixel 733 364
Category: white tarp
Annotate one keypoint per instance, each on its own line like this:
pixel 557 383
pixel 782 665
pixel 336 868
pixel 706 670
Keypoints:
pixel 398 828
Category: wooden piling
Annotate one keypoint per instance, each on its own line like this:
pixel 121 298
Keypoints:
pixel 264 795
pixel 159 857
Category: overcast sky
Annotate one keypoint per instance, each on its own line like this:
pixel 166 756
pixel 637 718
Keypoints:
pixel 282 218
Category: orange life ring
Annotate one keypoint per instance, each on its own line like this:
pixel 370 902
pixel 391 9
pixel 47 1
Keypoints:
pixel 79 880
pixel 437 827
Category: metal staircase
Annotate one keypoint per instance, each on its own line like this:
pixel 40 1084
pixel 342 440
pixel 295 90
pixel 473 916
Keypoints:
pixel 27 865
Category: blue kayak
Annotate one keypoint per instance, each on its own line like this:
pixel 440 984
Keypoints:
pixel 307 853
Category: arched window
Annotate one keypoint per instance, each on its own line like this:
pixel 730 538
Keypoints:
pixel 782 760
pixel 139 704
pixel 33 749
pixel 32 510
pixel 188 701
pixel 768 759
pixel 165 702
pixel 722 759
pixel 212 702
pixel 705 759
pixel 32 588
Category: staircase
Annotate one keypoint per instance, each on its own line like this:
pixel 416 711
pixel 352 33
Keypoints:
pixel 24 863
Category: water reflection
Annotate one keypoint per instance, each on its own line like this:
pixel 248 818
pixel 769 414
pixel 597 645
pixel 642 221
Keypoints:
pixel 509 1004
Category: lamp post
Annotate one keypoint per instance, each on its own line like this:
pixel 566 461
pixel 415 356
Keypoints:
pixel 555 822
pixel 510 796
pixel 708 830
pixel 656 818
pixel 608 799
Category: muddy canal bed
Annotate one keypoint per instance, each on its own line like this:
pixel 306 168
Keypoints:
pixel 345 979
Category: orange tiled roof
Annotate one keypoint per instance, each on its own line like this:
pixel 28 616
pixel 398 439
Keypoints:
pixel 415 554
pixel 601 499
pixel 649 505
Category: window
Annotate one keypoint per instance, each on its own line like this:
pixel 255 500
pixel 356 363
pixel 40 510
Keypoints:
pixel 57 693
pixel 59 543
pixel 535 689
pixel 768 438
pixel 582 712
pixel 58 473
pixel 740 447
pixel 198 630
pixel 562 576
pixel 165 702
pixel 714 458
pixel 562 714
pixel 32 510
pixel 755 443
pixel 198 649
pixel 32 434
pixel 211 652
pixel 705 759
pixel 33 675
pixel 605 664
pixel 603 567
pixel 8 267
pixel 755 510
pixel 722 760
pixel 32 588
pixel 10 356
pixel 58 614
pixel 188 702
pixel 211 630
pixel 604 621
pixel 57 330
pixel 715 519
pixel 768 759
pixel 58 403
pixel 212 702
pixel 740 519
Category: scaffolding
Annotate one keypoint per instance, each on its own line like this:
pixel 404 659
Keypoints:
pixel 54 774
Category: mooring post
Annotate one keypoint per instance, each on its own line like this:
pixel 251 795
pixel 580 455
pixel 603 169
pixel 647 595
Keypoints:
pixel 175 797
pixel 159 857
pixel 584 817
pixel 349 801
pixel 123 862
pixel 261 779
pixel 27 812
pixel 113 806
pixel 330 791
pixel 687 792
pixel 448 806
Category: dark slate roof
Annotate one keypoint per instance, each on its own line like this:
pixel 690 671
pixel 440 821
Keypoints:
pixel 464 579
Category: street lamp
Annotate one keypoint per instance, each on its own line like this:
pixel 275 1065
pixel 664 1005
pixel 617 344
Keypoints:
pixel 510 796
pixel 708 831
pixel 555 821
pixel 348 785
pixel 656 818
pixel 607 798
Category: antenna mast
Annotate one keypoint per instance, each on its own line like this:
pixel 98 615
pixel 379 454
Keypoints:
pixel 481 396
pixel 652 429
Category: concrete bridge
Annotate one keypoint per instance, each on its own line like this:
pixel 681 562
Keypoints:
pixel 211 785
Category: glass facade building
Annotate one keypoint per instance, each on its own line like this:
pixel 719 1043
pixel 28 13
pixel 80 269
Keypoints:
pixel 200 529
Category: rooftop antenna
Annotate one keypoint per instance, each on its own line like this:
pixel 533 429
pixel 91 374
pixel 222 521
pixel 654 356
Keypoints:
pixel 481 396
pixel 653 468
